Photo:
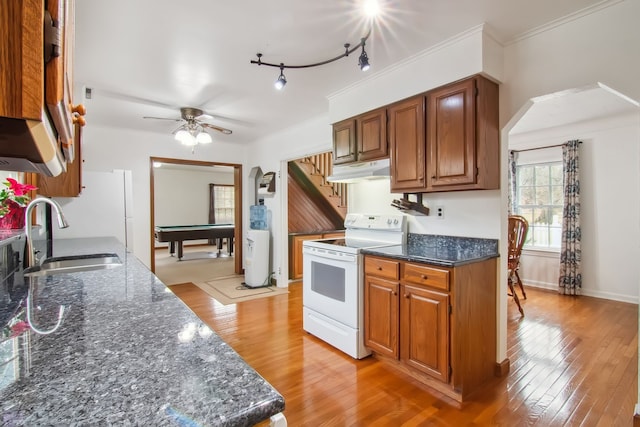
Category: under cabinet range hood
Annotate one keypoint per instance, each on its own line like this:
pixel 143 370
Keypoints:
pixel 30 146
pixel 361 171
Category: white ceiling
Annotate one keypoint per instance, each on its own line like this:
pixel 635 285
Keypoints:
pixel 150 57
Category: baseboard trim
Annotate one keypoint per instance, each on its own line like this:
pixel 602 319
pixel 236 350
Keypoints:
pixel 631 299
pixel 502 368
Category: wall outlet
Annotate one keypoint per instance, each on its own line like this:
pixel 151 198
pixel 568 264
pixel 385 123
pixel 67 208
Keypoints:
pixel 440 212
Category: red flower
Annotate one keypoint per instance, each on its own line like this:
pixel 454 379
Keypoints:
pixel 19 328
pixel 18 188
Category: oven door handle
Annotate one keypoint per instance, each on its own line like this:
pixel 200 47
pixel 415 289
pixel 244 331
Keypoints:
pixel 322 253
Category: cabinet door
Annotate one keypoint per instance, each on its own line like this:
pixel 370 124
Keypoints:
pixel 344 141
pixel 295 254
pixel 371 135
pixel 58 93
pixel 381 320
pixel 69 183
pixel 425 331
pixel 407 144
pixel 451 135
pixel 21 78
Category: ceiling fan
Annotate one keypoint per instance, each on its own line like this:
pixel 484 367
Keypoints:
pixel 192 131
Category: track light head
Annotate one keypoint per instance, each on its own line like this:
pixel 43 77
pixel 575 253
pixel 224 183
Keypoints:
pixel 282 81
pixel 363 61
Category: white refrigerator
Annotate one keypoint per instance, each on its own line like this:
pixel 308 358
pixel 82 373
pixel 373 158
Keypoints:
pixel 105 208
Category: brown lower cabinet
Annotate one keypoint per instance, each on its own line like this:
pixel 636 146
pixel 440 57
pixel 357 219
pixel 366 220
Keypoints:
pixel 437 324
pixel 295 249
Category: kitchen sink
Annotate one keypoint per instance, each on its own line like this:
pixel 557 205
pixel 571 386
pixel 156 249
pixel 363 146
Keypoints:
pixel 74 264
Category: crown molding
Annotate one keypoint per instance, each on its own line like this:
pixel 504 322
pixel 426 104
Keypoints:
pixel 562 21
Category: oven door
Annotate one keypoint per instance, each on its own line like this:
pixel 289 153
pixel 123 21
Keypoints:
pixel 330 284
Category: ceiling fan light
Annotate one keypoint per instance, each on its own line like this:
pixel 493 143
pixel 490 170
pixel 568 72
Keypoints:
pixel 203 138
pixel 181 134
pixel 185 137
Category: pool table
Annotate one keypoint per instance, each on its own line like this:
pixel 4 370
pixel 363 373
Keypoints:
pixel 179 233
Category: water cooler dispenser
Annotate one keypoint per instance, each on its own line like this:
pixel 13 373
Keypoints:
pixel 256 262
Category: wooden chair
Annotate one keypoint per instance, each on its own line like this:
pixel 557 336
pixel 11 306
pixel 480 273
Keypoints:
pixel 518 227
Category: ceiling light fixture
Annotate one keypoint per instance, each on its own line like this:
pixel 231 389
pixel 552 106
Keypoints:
pixel 192 135
pixel 363 61
pixel 282 81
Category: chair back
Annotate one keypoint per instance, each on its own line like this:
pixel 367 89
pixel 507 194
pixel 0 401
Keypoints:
pixel 518 227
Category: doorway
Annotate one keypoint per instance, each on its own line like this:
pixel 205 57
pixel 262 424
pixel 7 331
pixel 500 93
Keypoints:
pixel 186 165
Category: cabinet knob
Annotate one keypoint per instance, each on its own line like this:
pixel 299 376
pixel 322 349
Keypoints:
pixel 79 120
pixel 379 268
pixel 423 277
pixel 394 293
pixel 80 109
pixel 407 295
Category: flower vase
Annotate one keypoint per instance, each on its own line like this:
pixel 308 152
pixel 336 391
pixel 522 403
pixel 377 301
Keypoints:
pixel 14 219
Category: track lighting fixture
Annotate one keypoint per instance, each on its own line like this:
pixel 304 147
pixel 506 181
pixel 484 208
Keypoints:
pixel 363 61
pixel 282 81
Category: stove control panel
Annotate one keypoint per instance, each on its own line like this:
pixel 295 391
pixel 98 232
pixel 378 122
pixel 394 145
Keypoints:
pixel 375 222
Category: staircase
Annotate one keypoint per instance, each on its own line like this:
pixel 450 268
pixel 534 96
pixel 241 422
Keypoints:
pixel 310 173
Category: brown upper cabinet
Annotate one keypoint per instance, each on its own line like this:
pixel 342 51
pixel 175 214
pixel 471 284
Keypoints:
pixel 361 138
pixel 68 119
pixel 344 141
pixel 406 139
pixel 446 139
pixel 37 37
pixel 462 136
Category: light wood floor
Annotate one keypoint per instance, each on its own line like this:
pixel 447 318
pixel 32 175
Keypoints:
pixel 573 362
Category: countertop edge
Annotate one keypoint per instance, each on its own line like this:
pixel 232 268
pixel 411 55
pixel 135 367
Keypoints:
pixel 430 261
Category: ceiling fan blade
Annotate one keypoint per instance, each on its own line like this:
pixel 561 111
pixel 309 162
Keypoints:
pixel 161 118
pixel 218 128
pixel 205 116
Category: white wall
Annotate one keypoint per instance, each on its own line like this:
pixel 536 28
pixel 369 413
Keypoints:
pixel 182 196
pixel 610 219
pixel 598 47
pixel 466 213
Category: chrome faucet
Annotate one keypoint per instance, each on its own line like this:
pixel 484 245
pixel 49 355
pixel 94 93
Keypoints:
pixel 62 223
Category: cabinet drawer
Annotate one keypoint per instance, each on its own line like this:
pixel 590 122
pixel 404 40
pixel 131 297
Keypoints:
pixel 381 268
pixel 428 276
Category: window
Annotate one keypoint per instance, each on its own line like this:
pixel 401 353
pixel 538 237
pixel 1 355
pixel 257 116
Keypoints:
pixel 222 204
pixel 539 198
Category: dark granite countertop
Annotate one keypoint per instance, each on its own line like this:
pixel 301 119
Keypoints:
pixel 128 352
pixel 445 251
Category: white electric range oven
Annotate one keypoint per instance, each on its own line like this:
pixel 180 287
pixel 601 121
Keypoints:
pixel 332 280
